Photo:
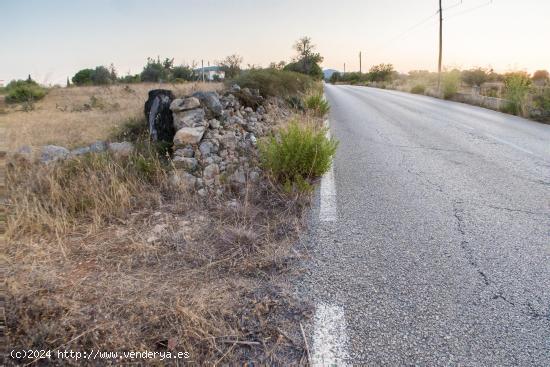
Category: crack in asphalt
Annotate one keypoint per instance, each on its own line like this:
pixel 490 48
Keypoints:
pixel 458 214
pixel 535 314
pixel 531 311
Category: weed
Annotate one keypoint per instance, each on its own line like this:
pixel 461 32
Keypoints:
pixel 297 153
pixel 517 86
pixel 450 83
pixel 317 103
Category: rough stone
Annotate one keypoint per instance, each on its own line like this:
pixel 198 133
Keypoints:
pixel 183 104
pixel 98 147
pixel 80 151
pixel 238 177
pixel 211 171
pixel 122 149
pixel 189 164
pixel 189 135
pixel 229 140
pixel 52 153
pixel 208 147
pixel 189 118
pixel 214 124
pixel 186 151
pixel 182 179
pixel 210 100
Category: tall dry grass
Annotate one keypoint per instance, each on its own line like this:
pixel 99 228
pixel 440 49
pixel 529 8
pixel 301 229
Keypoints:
pixel 78 116
pixel 103 253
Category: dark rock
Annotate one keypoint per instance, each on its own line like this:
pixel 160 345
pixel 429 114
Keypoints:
pixel 248 98
pixel 212 101
pixel 159 116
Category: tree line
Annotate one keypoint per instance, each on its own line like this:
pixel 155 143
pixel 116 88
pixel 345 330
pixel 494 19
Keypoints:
pixel 306 61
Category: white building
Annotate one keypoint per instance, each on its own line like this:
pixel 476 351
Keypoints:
pixel 211 73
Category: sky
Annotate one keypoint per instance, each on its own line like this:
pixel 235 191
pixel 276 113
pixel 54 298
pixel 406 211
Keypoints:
pixel 53 39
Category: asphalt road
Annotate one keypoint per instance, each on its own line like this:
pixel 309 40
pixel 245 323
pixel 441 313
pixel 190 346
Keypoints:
pixel 440 250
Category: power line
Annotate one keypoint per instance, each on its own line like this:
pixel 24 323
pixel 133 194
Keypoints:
pixel 408 30
pixel 453 6
pixel 470 9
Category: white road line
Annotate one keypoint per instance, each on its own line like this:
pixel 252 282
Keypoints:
pixel 330 338
pixel 327 211
pixel 509 144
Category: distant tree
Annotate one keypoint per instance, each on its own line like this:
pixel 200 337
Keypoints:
pixel 381 73
pixel 335 77
pixel 112 73
pixel 307 60
pixel 29 79
pixel 182 72
pixel 475 76
pixel 156 71
pixel 68 82
pixel 130 78
pixel 83 77
pixel 231 65
pixel 101 76
pixel 541 76
pixel 277 65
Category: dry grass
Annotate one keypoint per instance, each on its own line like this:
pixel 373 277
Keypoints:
pixel 169 269
pixel 103 253
pixel 62 118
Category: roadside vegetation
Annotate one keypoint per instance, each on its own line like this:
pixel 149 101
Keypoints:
pixel 274 83
pixel 522 94
pixel 106 252
pixel 298 154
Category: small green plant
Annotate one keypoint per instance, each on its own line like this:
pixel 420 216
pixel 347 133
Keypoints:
pixel 295 103
pixel 418 89
pixel 317 103
pixel 297 154
pixel 517 86
pixel 450 83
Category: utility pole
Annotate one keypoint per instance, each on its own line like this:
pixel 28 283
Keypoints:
pixel 440 47
pixel 360 69
pixel 344 68
pixel 202 70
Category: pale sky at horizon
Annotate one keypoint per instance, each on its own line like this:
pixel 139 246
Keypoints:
pixel 51 40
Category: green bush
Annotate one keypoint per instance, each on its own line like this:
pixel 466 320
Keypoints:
pixel 83 77
pixel 277 83
pixel 517 86
pixel 475 76
pixel 297 154
pixel 317 103
pixel 22 91
pixel 418 89
pixel 541 102
pixel 450 83
pixel 102 76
